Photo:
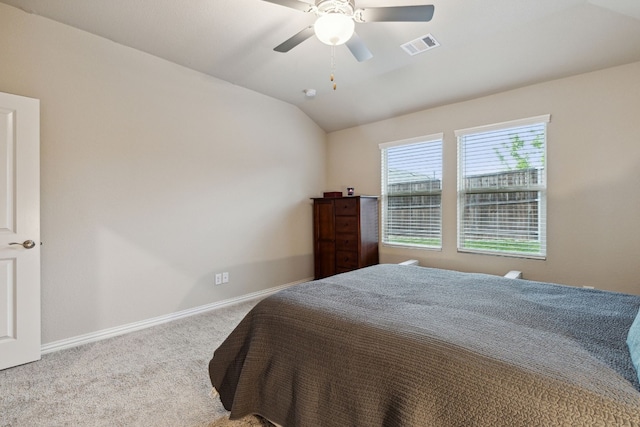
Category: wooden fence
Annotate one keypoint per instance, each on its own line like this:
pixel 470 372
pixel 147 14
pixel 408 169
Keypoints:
pixel 414 208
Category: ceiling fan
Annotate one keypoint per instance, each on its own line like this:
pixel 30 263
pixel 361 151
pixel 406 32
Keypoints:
pixel 336 22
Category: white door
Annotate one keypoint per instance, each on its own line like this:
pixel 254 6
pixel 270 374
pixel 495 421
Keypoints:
pixel 19 230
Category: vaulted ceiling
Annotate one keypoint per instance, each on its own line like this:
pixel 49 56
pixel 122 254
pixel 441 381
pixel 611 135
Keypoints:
pixel 486 46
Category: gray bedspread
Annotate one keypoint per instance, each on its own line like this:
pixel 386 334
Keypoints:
pixel 394 345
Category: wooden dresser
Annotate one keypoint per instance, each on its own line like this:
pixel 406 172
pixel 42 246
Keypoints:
pixel 345 234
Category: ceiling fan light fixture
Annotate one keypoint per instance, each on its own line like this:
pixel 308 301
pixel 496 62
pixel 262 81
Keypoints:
pixel 334 28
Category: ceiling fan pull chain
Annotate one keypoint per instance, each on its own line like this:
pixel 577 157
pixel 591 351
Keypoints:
pixel 333 65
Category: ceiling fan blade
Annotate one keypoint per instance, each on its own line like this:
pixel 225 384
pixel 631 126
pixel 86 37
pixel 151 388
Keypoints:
pixel 358 48
pixel 293 4
pixel 398 14
pixel 295 40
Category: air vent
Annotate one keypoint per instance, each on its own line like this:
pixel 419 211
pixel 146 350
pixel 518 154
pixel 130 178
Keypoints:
pixel 419 45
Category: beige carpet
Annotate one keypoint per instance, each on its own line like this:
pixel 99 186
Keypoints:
pixel 154 377
pixel 249 421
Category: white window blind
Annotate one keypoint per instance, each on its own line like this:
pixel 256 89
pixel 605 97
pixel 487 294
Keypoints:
pixel 502 188
pixel 412 192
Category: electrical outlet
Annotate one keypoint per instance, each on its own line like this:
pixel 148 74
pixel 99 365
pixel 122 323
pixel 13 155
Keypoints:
pixel 225 277
pixel 218 278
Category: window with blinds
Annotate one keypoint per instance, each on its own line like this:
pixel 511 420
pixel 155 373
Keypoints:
pixel 412 192
pixel 502 188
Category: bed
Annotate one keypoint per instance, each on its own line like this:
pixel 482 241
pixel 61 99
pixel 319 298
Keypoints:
pixel 393 345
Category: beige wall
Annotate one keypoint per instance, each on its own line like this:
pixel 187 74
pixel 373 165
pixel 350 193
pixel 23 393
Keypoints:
pixel 593 173
pixel 155 177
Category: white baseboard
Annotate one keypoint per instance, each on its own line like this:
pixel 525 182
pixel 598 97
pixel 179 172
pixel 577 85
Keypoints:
pixel 143 324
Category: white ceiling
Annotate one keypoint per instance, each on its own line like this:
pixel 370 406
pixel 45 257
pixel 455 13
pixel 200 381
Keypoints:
pixel 487 46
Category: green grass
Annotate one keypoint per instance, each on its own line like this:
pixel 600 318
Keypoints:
pixel 502 246
pixel 511 246
pixel 431 242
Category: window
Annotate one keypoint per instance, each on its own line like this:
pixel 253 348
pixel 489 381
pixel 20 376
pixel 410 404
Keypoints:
pixel 502 188
pixel 412 192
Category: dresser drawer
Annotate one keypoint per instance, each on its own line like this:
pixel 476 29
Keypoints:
pixel 347 242
pixel 346 259
pixel 346 207
pixel 346 224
